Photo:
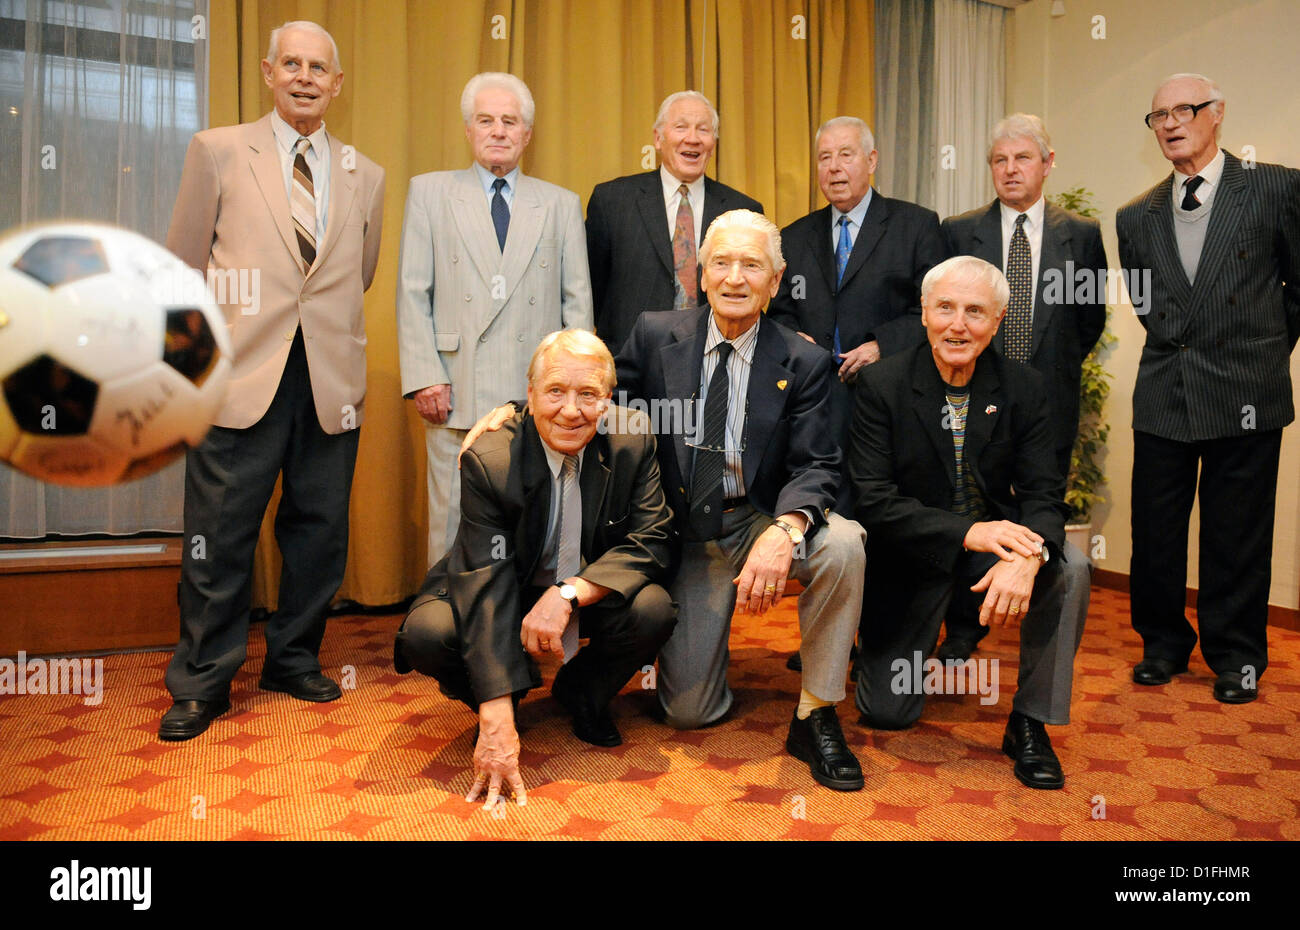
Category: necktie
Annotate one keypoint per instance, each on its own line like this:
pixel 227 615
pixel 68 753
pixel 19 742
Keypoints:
pixel 1189 193
pixel 684 253
pixel 706 482
pixel 1020 310
pixel 842 251
pixel 303 204
pixel 500 212
pixel 568 560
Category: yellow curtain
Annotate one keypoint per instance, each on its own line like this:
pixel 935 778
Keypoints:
pixel 775 69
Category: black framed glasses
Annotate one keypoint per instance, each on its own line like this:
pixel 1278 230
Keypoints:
pixel 1184 113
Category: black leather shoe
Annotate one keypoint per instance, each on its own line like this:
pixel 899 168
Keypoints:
pixel 589 724
pixel 819 741
pixel 1036 764
pixel 187 719
pixel 795 662
pixel 1157 671
pixel 1229 689
pixel 309 686
pixel 956 649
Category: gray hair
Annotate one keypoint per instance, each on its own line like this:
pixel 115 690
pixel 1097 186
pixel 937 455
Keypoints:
pixel 1211 89
pixel 581 342
pixel 684 95
pixel 1021 126
pixel 504 81
pixel 864 131
pixel 745 219
pixel 970 268
pixel 303 25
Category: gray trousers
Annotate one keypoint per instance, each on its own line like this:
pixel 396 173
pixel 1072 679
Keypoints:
pixel 909 623
pixel 693 663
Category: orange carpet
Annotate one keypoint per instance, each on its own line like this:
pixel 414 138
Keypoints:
pixel 390 760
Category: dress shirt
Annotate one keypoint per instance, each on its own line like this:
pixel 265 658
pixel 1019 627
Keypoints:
pixel 1210 175
pixel 671 196
pixel 318 160
pixel 856 216
pixel 487 179
pixel 1033 232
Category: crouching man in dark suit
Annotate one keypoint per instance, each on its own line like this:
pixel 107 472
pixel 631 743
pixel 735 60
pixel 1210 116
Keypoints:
pixel 564 532
pixel 955 479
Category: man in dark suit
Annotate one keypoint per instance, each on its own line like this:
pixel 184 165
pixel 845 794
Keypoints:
pixel 1221 242
pixel 954 479
pixel 852 283
pixel 1043 250
pixel 751 485
pixel 564 529
pixel 642 229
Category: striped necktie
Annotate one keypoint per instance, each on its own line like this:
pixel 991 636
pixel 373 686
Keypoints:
pixel 568 559
pixel 303 204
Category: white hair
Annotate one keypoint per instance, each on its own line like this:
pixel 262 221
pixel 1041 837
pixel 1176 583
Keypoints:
pixel 684 95
pixel 1021 126
pixel 868 141
pixel 969 268
pixel 302 25
pixel 1211 90
pixel 580 342
pixel 500 79
pixel 745 219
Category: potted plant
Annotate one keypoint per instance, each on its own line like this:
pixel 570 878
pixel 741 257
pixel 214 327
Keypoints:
pixel 1086 477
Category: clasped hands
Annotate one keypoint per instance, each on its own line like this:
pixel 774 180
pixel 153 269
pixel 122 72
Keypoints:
pixel 1010 582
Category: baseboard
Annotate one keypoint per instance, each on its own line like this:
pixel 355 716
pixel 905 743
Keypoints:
pixel 1288 618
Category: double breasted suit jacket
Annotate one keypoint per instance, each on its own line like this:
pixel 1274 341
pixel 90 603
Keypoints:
pixel 879 296
pixel 232 214
pixel 631 252
pixel 791 458
pixel 468 313
pixel 1222 343
pixel 1064 330
pixel 627 537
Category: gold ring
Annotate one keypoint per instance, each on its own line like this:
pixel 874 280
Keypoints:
pixel 1014 610
pixel 770 588
pixel 546 644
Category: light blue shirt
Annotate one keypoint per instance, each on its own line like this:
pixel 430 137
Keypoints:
pixel 487 179
pixel 856 216
pixel 318 160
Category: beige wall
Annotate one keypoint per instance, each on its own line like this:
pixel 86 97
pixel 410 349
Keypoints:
pixel 1092 94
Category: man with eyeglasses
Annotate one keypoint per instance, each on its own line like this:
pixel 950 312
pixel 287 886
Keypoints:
pixel 1221 239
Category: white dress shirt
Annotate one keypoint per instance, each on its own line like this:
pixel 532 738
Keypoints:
pixel 1210 176
pixel 487 179
pixel 1033 232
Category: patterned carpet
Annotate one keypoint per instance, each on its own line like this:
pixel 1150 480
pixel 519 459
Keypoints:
pixel 391 759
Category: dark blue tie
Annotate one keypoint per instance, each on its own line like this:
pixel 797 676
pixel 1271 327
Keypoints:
pixel 842 251
pixel 500 212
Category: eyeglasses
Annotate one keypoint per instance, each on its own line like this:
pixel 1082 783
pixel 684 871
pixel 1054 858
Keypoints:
pixel 1184 113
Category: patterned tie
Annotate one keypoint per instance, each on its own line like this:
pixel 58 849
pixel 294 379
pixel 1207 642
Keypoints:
pixel 303 204
pixel 568 559
pixel 1189 193
pixel 1017 339
pixel 684 253
pixel 706 482
pixel 842 251
pixel 500 212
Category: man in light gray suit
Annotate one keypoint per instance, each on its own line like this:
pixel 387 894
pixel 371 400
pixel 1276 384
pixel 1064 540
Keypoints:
pixel 508 264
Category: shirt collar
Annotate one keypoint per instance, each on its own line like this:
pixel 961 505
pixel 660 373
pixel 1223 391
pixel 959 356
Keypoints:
pixel 556 459
pixel 1210 174
pixel 1033 216
pixel 742 345
pixel 856 215
pixel 287 136
pixel 487 179
pixel 671 184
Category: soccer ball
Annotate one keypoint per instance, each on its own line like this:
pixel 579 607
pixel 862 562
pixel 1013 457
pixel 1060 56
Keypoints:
pixel 113 355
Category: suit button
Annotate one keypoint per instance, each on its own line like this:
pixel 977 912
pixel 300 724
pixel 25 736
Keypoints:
pixel 288 337
pixel 1184 347
pixel 455 259
pixel 483 338
pixel 468 298
pixel 532 300
pixel 520 337
pixel 706 508
pixel 548 264
pixel 681 490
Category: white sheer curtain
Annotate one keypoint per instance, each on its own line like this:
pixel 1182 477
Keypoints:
pixel 116 87
pixel 941 81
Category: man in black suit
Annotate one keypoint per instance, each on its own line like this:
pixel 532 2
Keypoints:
pixel 564 529
pixel 852 283
pixel 642 229
pixel 1221 240
pixel 954 479
pixel 1043 250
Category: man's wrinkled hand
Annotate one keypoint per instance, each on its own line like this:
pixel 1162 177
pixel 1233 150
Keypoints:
pixel 544 625
pixel 1003 538
pixel 854 359
pixel 490 422
pixel 1009 585
pixel 496 756
pixel 761 582
pixel 434 403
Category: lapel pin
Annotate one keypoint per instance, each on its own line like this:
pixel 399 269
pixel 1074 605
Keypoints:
pixel 780 385
pixel 991 408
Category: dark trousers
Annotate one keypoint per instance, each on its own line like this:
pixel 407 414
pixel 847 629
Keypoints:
pixel 1238 488
pixel 623 640
pixel 229 479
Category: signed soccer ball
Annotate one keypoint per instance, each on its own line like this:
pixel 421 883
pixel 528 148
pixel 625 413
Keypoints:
pixel 113 355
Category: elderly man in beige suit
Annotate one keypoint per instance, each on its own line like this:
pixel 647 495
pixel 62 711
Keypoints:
pixel 297 213
pixel 492 260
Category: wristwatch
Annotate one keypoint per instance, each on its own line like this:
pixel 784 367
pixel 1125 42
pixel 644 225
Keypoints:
pixel 569 593
pixel 1043 554
pixel 796 536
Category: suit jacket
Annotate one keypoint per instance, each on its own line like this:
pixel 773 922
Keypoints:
pixel 791 458
pixel 631 252
pixel 505 504
pixel 1064 330
pixel 469 314
pixel 903 466
pixel 1221 345
pixel 880 296
pixel 232 214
